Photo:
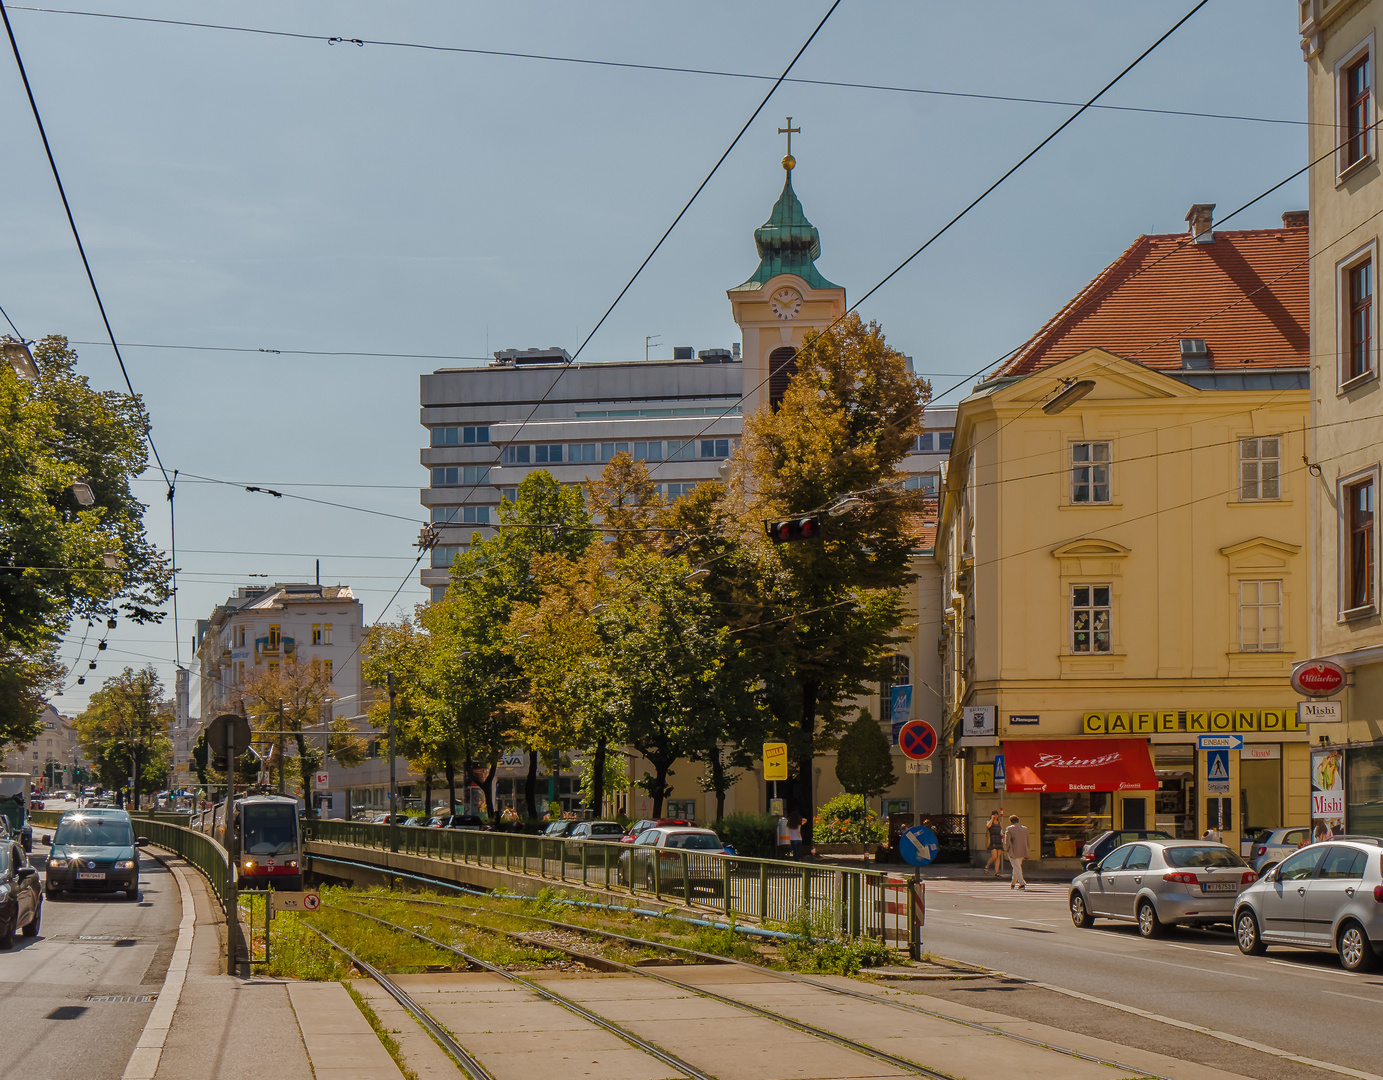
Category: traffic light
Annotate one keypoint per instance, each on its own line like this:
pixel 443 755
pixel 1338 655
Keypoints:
pixel 784 532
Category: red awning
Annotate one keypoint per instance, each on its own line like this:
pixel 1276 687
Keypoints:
pixel 1078 765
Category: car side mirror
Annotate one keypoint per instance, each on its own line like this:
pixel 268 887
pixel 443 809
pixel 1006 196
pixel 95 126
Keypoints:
pixel 26 872
pixel 45 839
pixel 141 841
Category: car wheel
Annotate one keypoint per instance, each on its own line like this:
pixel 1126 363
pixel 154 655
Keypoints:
pixel 1149 925
pixel 1356 954
pixel 32 929
pixel 132 894
pixel 1247 935
pixel 1080 915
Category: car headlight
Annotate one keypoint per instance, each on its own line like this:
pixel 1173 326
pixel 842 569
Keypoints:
pixel 56 864
pixel 125 864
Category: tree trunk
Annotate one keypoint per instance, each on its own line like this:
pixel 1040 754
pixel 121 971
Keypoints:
pixel 530 786
pixel 718 782
pixel 806 762
pixel 659 792
pixel 487 789
pixel 597 802
pixel 451 782
pixel 427 792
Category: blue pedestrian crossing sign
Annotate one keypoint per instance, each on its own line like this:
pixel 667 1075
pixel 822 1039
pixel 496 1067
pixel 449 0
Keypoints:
pixel 1217 771
pixel 1000 773
pixel 918 846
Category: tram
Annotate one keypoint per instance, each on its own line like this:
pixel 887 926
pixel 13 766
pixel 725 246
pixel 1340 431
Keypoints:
pixel 270 840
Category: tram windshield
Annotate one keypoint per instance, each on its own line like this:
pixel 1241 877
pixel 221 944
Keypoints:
pixel 269 829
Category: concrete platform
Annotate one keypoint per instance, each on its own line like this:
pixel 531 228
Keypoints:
pixel 339 1039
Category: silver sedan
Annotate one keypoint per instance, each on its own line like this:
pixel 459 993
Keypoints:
pixel 1157 883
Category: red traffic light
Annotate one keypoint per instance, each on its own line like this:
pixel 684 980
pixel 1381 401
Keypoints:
pixel 784 532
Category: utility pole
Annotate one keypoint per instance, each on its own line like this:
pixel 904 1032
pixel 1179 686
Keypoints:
pixel 393 779
pixel 280 747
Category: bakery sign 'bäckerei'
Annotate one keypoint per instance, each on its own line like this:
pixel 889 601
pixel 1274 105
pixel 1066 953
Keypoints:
pixel 1202 721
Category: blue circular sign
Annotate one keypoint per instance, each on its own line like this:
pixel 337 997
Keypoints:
pixel 918 846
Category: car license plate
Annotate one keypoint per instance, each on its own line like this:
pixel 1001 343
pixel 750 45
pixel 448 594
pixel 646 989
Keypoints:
pixel 91 877
pixel 1219 886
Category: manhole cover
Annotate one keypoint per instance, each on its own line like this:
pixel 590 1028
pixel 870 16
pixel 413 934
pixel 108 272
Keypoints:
pixel 135 998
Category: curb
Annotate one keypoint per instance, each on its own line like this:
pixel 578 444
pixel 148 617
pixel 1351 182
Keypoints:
pixel 144 1061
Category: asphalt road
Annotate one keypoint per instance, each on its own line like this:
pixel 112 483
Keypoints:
pixel 70 998
pixel 1300 1002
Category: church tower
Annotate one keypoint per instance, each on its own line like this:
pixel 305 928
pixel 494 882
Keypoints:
pixel 784 298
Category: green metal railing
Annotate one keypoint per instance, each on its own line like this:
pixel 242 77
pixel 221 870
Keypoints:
pixel 197 848
pixel 769 890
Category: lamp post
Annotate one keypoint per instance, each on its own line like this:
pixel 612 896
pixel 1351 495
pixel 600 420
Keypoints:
pixel 393 779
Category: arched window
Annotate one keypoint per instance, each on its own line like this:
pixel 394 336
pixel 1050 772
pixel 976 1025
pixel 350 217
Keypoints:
pixel 782 366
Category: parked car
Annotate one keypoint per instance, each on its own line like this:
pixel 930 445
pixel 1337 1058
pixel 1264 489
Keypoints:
pixel 561 828
pixel 596 830
pixel 666 845
pixel 1095 850
pixel 1271 846
pixel 639 827
pixel 21 900
pixel 1158 883
pixel 1326 896
pixel 467 821
pixel 94 851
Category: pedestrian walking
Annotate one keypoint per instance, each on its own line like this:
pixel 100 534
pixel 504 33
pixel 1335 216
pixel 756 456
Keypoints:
pixel 995 829
pixel 1017 849
pixel 795 835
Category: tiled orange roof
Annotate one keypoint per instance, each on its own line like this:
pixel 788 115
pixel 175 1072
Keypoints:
pixel 922 523
pixel 1245 294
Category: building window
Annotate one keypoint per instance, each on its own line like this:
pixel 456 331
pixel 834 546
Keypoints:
pixel 316 633
pixel 273 667
pixel 609 449
pixel 1360 318
pixel 1090 618
pixel 1260 616
pixel 455 476
pixel 676 491
pixel 439 593
pixel 518 455
pixel 508 495
pixel 548 453
pixel 648 451
pixel 273 645
pixel 1090 472
pixel 1360 565
pixel 469 515
pixel 782 366
pixel 326 633
pixel 715 448
pixel 326 666
pixel 1358 80
pixel 944 440
pixel 584 452
pixel 238 637
pixel 1260 462
pixel 923 444
pixel 239 672
pixel 443 555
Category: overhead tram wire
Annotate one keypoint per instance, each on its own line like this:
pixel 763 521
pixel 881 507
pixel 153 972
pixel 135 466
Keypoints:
pixel 95 291
pixel 668 68
pixel 666 233
pixel 972 204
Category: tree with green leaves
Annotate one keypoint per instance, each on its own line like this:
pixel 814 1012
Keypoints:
pixel 826 615
pixel 864 759
pixel 124 732
pixel 60 558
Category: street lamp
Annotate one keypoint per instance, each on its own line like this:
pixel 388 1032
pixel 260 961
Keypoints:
pixel 1071 392
pixel 83 493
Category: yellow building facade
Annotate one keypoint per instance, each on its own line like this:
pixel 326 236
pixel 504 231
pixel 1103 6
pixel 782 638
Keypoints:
pixel 1123 550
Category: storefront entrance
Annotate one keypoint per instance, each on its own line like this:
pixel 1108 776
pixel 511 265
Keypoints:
pixel 1174 811
pixel 1070 818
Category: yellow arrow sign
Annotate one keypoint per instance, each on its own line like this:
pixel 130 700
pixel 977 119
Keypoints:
pixel 775 761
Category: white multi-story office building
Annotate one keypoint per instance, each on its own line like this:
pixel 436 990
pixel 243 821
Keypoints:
pixel 534 409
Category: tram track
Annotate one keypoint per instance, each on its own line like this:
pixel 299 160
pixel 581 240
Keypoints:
pixel 900 1063
pixel 712 958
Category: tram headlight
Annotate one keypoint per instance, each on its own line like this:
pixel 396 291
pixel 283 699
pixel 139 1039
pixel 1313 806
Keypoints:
pixel 250 864
pixel 293 863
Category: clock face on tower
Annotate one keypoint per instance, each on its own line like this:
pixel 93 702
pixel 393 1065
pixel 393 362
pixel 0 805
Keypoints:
pixel 786 303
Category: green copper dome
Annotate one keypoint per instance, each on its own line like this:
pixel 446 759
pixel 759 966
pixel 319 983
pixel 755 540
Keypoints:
pixel 788 244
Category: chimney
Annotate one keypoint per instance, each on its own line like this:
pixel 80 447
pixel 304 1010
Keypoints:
pixel 1199 216
pixel 1296 219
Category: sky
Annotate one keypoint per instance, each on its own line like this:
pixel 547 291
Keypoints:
pixel 240 192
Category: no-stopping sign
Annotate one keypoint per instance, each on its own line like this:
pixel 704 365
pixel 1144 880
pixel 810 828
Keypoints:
pixel 917 740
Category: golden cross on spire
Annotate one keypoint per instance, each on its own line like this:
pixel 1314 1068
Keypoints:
pixel 789 161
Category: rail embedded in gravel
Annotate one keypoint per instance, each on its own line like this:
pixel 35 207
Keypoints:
pixel 785 975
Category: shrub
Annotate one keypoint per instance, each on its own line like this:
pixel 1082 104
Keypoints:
pixel 847 819
pixel 752 835
pixel 820 947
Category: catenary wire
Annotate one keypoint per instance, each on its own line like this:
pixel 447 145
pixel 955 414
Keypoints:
pixel 977 200
pixel 672 69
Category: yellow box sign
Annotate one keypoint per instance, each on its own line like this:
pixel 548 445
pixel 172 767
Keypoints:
pixel 984 778
pixel 775 761
pixel 1198 722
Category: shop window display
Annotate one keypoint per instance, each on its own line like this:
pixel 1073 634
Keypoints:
pixel 1069 819
pixel 1364 790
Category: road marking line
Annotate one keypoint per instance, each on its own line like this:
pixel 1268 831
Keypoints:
pixel 143 1063
pixel 1352 997
pixel 1194 948
pixel 1224 1036
pixel 1303 969
pixel 977 915
pixel 1190 967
